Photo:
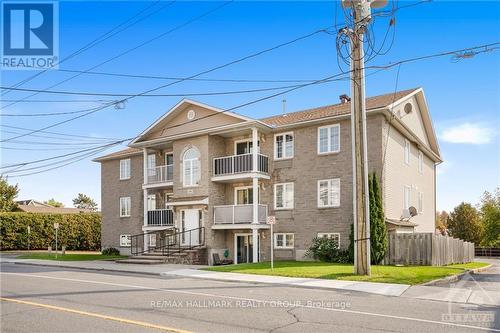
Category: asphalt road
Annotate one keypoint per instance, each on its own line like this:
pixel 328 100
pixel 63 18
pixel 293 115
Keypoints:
pixel 42 299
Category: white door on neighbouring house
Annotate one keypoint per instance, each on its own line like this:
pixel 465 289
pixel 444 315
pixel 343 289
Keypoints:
pixel 190 224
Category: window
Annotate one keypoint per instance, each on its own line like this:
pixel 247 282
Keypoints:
pixel 420 162
pixel 407 151
pixel 420 202
pixel 329 139
pixel 283 241
pixel 283 196
pixel 331 235
pixel 244 147
pixel 191 167
pixel 406 197
pixel 169 162
pixel 124 240
pixel 329 193
pixel 125 169
pixel 151 165
pixel 124 206
pixel 283 146
pixel 151 201
pixel 243 195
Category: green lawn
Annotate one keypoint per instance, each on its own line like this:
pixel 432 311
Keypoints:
pixel 68 256
pixel 321 270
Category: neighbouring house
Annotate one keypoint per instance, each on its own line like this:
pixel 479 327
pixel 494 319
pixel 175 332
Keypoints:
pixel 197 167
pixel 33 206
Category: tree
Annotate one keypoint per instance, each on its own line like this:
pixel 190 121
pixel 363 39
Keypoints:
pixel 465 223
pixel 378 230
pixel 52 202
pixel 490 217
pixel 83 201
pixel 442 222
pixel 7 195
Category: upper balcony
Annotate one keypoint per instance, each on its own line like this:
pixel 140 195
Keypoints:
pixel 162 175
pixel 234 216
pixel 235 167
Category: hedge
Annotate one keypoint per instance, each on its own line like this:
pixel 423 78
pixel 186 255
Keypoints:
pixel 76 231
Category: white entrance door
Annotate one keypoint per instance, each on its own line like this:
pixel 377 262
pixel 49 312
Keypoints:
pixel 190 222
pixel 243 248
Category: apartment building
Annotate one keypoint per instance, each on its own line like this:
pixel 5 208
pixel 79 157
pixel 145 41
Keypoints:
pixel 215 176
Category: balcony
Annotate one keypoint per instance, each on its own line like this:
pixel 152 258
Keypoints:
pixel 238 214
pixel 239 166
pixel 160 217
pixel 160 175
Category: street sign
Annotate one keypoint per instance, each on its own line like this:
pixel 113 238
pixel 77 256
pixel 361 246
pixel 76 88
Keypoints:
pixel 56 225
pixel 29 229
pixel 271 219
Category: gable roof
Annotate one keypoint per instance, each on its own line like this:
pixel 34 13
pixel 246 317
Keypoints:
pixel 52 210
pixel 375 102
pixel 178 108
pixel 380 102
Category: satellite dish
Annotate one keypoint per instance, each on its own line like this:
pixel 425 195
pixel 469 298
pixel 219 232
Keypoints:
pixel 413 211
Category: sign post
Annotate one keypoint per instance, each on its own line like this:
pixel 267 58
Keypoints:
pixel 272 220
pixel 29 232
pixel 56 226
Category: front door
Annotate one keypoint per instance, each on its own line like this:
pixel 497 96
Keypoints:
pixel 190 224
pixel 243 244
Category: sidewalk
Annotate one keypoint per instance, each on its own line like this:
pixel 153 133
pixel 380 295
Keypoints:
pixel 459 293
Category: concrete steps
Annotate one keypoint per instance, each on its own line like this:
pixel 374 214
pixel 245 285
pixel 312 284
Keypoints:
pixel 196 256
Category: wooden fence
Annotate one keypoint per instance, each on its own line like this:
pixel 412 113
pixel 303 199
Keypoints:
pixel 487 252
pixel 427 249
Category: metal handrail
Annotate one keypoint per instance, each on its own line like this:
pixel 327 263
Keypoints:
pixel 168 243
pixel 234 164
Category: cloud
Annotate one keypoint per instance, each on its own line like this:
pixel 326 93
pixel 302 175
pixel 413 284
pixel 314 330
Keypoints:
pixel 469 133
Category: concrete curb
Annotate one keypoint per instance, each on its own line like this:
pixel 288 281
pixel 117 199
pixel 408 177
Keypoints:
pixel 86 268
pixel 456 277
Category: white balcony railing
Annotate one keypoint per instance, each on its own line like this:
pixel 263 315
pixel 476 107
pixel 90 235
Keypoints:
pixel 160 174
pixel 236 214
pixel 160 217
pixel 235 164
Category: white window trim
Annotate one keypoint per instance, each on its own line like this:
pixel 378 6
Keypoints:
pixel 276 158
pixel 284 246
pixel 122 244
pixel 129 206
pixel 236 188
pixel 245 140
pixel 406 205
pixel 293 196
pixel 328 234
pixel 420 202
pixel 318 192
pixel 127 176
pixel 420 162
pixel 407 152
pixel 196 182
pixel 329 148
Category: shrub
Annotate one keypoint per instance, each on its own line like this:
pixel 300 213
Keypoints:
pixel 110 251
pixel 76 231
pixel 326 249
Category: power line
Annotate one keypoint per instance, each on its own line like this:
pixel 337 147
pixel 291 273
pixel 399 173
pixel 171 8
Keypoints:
pixel 57 133
pixel 157 77
pixel 91 111
pixel 98 40
pixel 274 95
pixel 133 48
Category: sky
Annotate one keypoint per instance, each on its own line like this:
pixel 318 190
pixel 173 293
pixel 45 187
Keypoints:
pixel 463 96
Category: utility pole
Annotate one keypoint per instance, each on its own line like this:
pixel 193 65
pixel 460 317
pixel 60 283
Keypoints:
pixel 361 10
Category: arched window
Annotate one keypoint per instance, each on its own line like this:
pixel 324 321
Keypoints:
pixel 191 167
